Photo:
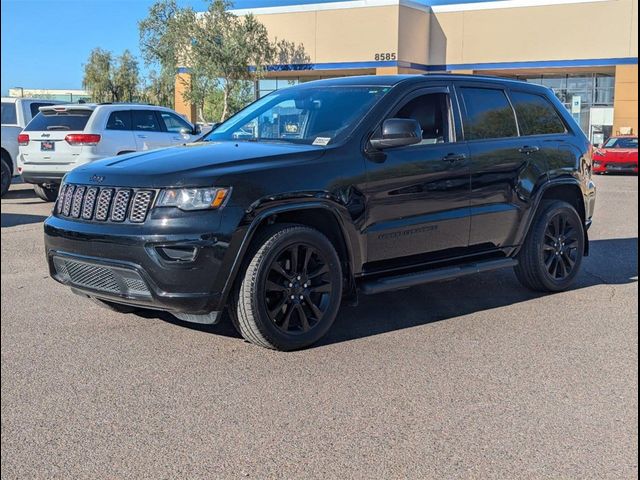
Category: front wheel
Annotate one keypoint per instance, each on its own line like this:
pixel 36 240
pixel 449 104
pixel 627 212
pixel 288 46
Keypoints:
pixel 552 253
pixel 45 192
pixel 291 289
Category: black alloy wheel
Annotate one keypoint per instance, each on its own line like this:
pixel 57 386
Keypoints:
pixel 297 289
pixel 289 294
pixel 560 246
pixel 551 255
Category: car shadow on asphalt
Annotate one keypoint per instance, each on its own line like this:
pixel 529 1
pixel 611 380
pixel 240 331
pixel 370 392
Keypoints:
pixel 613 261
pixel 14 219
pixel 21 193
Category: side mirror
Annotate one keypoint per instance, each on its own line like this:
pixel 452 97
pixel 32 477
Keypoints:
pixel 397 132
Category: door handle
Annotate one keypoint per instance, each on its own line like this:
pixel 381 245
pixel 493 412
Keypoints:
pixel 142 136
pixel 529 149
pixel 454 157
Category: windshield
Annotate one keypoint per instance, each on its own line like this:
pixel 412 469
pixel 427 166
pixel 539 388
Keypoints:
pixel 317 116
pixel 622 142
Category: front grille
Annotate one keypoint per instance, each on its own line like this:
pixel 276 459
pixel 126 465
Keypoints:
pixel 104 204
pixel 120 206
pixel 101 278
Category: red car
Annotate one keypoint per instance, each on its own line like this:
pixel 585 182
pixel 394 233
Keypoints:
pixel 618 154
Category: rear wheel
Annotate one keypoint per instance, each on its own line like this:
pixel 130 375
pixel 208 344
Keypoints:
pixel 47 192
pixel 551 256
pixel 291 289
pixel 5 181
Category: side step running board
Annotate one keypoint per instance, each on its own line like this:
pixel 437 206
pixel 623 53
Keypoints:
pixel 397 282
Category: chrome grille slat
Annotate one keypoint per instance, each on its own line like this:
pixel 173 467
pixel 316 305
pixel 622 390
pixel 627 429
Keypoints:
pixel 120 205
pixel 104 204
pixel 60 201
pixel 76 205
pixel 89 203
pixel 68 196
pixel 140 208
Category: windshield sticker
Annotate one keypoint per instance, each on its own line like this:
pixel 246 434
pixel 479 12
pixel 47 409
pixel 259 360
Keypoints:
pixel 321 141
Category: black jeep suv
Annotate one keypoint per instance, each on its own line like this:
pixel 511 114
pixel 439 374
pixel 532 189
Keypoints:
pixel 328 189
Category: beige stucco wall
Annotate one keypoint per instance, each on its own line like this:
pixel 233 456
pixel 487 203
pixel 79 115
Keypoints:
pixel 605 29
pixel 340 35
pixel 551 32
pixel 625 106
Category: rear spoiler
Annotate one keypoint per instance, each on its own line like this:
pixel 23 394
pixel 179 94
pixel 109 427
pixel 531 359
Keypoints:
pixel 65 108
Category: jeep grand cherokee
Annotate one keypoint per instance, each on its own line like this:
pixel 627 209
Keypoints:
pixel 327 190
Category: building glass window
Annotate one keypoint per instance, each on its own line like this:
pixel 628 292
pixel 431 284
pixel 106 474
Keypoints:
pixel 581 93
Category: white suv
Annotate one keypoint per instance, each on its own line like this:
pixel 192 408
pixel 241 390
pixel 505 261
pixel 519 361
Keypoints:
pixel 16 114
pixel 63 137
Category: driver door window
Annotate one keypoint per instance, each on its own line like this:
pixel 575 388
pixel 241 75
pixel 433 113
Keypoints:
pixel 432 113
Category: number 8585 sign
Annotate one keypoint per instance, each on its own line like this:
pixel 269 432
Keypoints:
pixel 384 56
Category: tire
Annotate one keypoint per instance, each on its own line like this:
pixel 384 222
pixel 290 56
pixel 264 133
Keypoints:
pixel 114 307
pixel 47 193
pixel 550 258
pixel 282 307
pixel 5 179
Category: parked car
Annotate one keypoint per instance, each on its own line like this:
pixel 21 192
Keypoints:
pixel 369 184
pixel 63 137
pixel 16 113
pixel 618 154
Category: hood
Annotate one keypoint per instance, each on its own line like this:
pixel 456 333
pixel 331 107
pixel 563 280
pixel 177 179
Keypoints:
pixel 195 164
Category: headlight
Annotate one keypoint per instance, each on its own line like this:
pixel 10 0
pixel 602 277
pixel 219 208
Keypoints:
pixel 193 198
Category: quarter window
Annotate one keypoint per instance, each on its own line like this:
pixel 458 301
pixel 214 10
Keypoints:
pixel 145 120
pixel 489 114
pixel 9 113
pixel 35 107
pixel 119 120
pixel 536 115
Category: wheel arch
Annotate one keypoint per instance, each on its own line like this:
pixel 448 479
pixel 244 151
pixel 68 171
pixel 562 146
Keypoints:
pixel 566 190
pixel 319 215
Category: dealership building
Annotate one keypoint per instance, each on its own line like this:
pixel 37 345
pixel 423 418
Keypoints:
pixel 585 50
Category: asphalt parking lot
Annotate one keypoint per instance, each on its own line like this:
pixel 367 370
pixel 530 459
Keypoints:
pixel 471 378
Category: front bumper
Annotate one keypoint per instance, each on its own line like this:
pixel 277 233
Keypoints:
pixel 127 264
pixel 614 167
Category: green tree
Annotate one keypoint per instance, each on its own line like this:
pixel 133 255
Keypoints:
pixel 110 79
pixel 97 75
pixel 224 52
pixel 164 41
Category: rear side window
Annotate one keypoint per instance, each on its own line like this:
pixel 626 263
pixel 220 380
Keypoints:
pixel 34 108
pixel 74 120
pixel 536 115
pixel 145 120
pixel 173 123
pixel 119 120
pixel 9 113
pixel 489 114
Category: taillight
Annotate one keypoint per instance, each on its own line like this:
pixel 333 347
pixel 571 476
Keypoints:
pixel 23 139
pixel 82 139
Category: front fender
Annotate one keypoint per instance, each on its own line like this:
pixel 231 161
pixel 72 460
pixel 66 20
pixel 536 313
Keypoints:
pixel 252 220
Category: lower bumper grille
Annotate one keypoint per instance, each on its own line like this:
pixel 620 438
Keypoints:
pixel 100 278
